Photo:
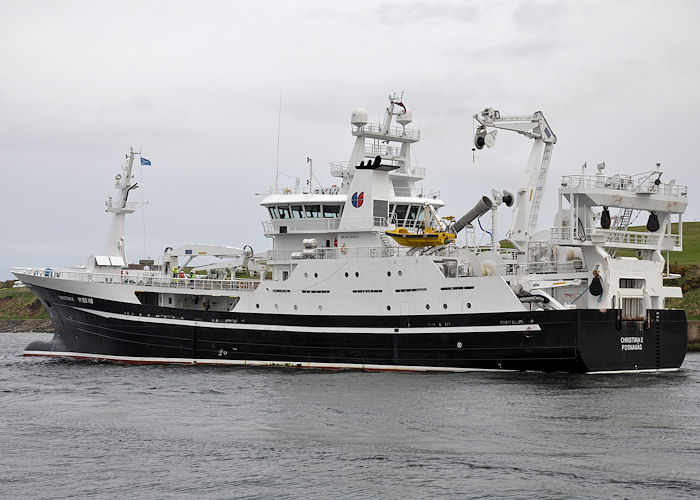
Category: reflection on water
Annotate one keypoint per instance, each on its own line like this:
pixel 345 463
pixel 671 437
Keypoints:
pixel 84 428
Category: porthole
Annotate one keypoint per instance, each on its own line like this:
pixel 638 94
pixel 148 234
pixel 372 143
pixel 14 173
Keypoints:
pixel 277 306
pixel 388 273
pixel 357 275
pixel 444 306
pixel 315 275
pixel 296 307
pixel 346 275
pixel 388 308
pixel 306 275
pixel 320 308
pixel 469 305
pixel 427 306
pixel 257 306
pixel 400 273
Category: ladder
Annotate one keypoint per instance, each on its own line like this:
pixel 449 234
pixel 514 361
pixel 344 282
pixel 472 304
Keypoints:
pixel 623 221
pixel 539 188
pixel 621 224
pixel 389 249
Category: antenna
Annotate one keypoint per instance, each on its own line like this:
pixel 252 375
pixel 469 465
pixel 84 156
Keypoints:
pixel 279 123
pixel 311 171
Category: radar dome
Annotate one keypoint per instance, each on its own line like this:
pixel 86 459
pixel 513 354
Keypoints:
pixel 359 117
pixel 405 118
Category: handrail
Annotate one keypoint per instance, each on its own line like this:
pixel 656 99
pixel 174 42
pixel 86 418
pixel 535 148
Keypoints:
pixel 540 267
pixel 141 278
pixel 640 183
pixel 313 224
pixel 416 192
pixel 612 237
pixel 327 190
pixel 376 128
pixel 339 168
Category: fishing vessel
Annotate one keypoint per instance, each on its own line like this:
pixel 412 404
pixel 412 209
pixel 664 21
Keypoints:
pixel 364 274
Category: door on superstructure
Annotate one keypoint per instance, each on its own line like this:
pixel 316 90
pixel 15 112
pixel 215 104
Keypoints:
pixel 633 308
pixel 405 321
pixel 632 301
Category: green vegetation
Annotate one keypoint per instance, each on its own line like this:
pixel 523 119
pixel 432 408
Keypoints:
pixel 691 245
pixel 690 284
pixel 687 264
pixel 19 303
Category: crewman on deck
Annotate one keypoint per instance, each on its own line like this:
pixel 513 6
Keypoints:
pixel 175 272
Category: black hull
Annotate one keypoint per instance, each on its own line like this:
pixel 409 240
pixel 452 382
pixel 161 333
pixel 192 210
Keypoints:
pixel 572 340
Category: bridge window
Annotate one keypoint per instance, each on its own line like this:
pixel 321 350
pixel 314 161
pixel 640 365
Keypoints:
pixel 412 213
pixel 381 209
pixel 631 283
pixel 283 212
pixel 331 211
pixel 273 212
pixel 401 214
pixel 313 210
pixel 297 211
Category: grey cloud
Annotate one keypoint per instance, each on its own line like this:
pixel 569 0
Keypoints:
pixel 198 88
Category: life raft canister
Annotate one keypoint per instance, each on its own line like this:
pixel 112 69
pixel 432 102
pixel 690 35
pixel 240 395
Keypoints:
pixel 605 218
pixel 653 222
pixel 596 287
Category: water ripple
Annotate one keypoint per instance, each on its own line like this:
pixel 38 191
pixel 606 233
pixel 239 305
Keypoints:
pixel 102 430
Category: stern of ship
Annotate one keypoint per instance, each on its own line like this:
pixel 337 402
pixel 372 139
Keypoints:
pixel 607 342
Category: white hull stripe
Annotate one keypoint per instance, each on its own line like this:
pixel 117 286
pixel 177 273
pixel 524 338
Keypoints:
pixel 295 364
pixel 651 370
pixel 243 362
pixel 315 329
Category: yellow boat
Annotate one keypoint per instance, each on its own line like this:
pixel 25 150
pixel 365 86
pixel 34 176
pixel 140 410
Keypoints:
pixel 428 238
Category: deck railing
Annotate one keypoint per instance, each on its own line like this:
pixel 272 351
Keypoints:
pixel 141 278
pixel 640 183
pixel 617 238
pixel 376 128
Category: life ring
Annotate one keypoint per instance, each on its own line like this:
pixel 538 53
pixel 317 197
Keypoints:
pixel 343 249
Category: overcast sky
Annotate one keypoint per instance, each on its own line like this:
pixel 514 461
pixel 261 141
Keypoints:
pixel 197 85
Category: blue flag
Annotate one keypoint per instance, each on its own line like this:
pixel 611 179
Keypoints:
pixel 144 161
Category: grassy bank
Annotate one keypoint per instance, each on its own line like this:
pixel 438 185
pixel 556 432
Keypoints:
pixel 691 245
pixel 687 264
pixel 19 303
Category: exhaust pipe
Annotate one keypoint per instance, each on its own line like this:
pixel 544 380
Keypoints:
pixel 482 206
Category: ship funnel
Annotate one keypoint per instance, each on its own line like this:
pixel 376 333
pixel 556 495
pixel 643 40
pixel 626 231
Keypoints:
pixel 482 206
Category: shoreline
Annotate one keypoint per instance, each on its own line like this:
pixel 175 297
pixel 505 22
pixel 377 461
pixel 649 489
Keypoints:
pixel 26 325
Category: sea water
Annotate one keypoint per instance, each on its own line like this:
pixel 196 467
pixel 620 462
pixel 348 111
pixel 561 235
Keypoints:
pixel 102 430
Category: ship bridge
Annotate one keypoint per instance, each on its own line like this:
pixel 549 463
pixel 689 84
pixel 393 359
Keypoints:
pixel 324 212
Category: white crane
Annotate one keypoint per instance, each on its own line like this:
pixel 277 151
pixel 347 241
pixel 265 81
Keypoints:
pixel 530 192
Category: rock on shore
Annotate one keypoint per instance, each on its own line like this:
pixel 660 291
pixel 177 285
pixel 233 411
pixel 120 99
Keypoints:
pixel 26 325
